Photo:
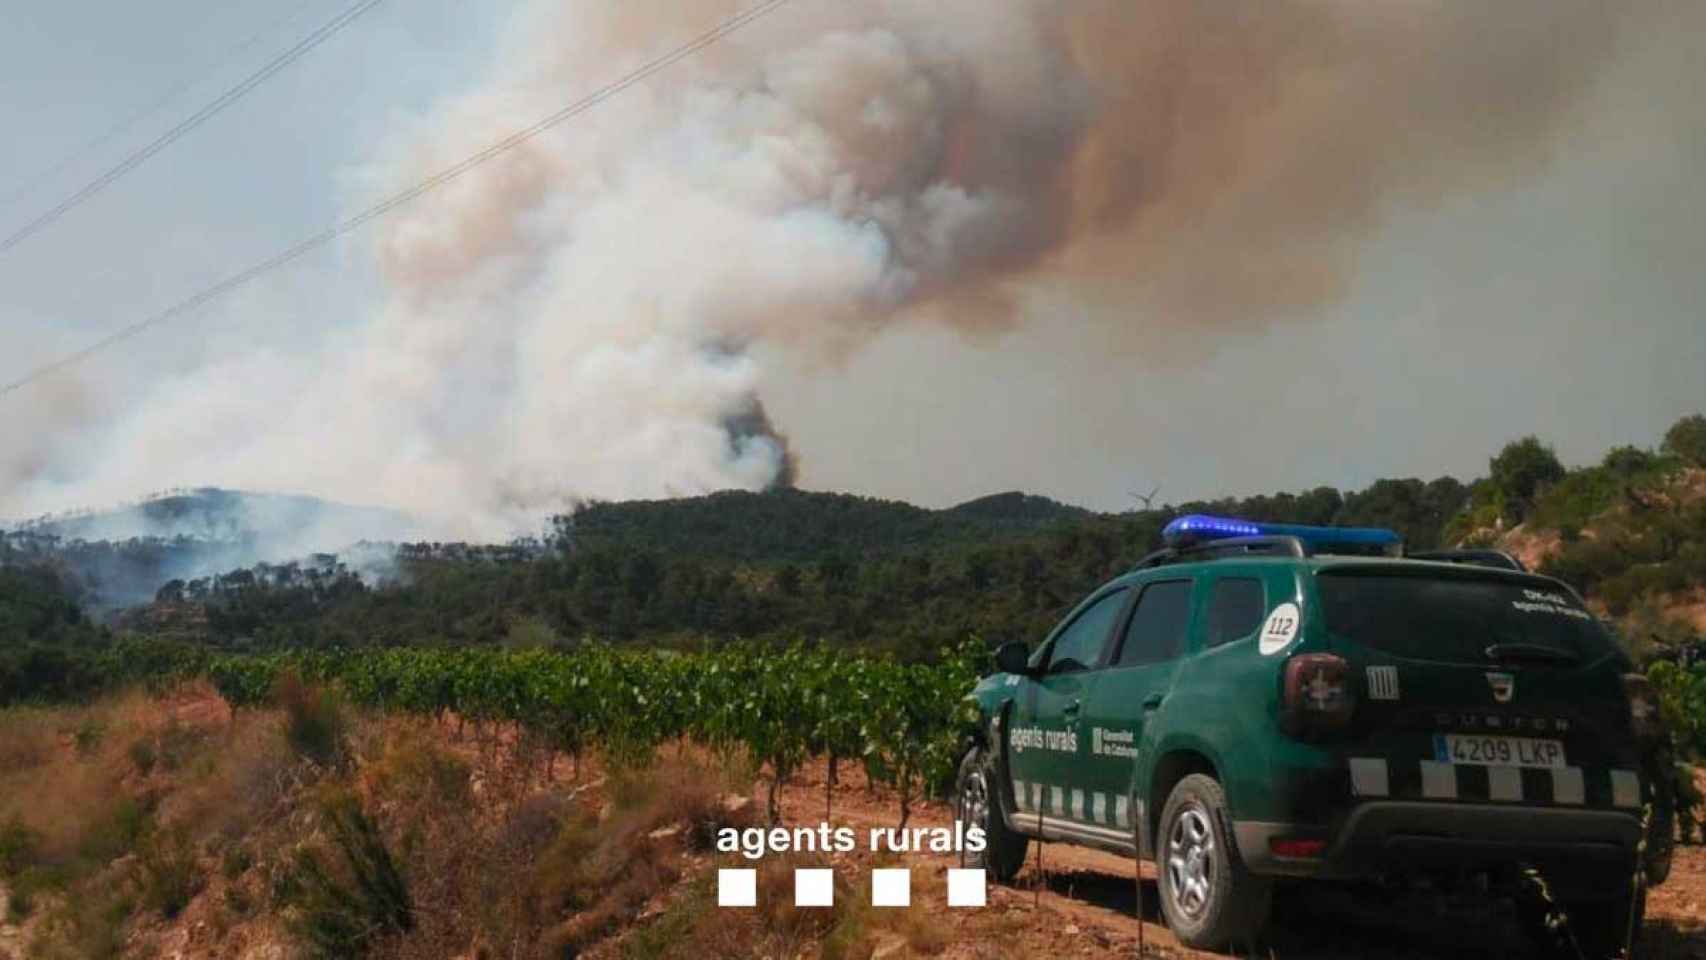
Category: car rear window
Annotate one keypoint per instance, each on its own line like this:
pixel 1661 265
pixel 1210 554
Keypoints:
pixel 1454 618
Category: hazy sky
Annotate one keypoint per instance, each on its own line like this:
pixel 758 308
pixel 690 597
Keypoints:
pixel 1554 288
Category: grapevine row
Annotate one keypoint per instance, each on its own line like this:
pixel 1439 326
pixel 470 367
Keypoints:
pixel 902 721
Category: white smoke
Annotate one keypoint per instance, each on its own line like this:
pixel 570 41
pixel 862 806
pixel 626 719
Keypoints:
pixel 578 318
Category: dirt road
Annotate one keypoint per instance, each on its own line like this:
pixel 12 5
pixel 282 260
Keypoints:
pixel 1082 903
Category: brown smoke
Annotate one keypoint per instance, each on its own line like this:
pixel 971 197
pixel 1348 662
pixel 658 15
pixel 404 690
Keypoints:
pixel 1242 149
pixel 1203 165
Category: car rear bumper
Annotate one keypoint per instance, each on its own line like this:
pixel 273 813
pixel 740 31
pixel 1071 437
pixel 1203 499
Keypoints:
pixel 1571 847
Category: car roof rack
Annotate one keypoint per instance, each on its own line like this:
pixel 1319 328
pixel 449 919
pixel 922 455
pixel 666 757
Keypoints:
pixel 1227 547
pixel 1471 557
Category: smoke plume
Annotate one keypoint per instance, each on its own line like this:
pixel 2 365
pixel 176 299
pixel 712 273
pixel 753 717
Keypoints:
pixel 582 317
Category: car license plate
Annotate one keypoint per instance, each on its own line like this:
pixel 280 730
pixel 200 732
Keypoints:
pixel 1484 751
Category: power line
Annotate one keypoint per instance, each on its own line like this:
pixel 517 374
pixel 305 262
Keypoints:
pixel 59 166
pixel 219 103
pixel 444 176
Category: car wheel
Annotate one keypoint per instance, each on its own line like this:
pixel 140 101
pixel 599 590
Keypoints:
pixel 1659 769
pixel 1209 898
pixel 976 804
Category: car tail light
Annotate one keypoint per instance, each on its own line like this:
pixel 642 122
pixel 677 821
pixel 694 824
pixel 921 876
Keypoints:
pixel 1297 848
pixel 1317 697
pixel 1644 717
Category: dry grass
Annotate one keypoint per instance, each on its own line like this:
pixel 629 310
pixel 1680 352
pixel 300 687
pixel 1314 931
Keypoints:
pixel 68 787
pixel 316 723
pixel 604 870
pixel 499 867
pixel 795 926
pixel 243 779
pixel 89 926
pixel 134 817
pixel 409 764
pixel 126 805
pixel 70 780
pixel 29 737
pixel 682 790
pixel 849 929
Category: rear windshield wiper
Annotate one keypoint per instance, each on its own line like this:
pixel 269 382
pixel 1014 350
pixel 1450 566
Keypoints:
pixel 1530 651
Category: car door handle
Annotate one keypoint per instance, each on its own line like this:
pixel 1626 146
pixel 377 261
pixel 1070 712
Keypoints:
pixel 1153 701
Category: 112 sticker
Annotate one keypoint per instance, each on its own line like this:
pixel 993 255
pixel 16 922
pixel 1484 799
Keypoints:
pixel 1279 629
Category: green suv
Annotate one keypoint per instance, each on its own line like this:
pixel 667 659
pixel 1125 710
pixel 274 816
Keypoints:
pixel 1262 701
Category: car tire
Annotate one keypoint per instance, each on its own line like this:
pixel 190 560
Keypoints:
pixel 1659 769
pixel 976 804
pixel 1601 927
pixel 1210 899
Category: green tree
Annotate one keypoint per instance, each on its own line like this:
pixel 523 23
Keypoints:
pixel 788 580
pixel 1318 506
pixel 1628 461
pixel 1686 439
pixel 1520 471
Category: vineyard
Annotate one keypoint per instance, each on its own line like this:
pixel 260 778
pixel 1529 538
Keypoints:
pixel 902 722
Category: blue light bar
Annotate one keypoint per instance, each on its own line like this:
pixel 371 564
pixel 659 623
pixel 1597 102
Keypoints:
pixel 1197 528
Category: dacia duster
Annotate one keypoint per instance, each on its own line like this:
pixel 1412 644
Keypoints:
pixel 1262 701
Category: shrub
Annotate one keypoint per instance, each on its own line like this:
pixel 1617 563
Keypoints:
pixel 178 742
pixel 142 755
pixel 18 845
pixel 1682 702
pixel 1686 439
pixel 170 879
pixel 88 736
pixel 235 862
pixel 89 926
pixel 121 831
pixel 1628 461
pixel 1578 498
pixel 412 765
pixel 686 926
pixel 315 723
pixel 20 900
pixel 343 907
pixel 1520 471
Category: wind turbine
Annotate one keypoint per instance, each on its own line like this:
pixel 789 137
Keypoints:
pixel 1148 499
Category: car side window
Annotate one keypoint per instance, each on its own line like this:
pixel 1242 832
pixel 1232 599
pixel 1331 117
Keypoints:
pixel 1080 645
pixel 1156 631
pixel 1235 610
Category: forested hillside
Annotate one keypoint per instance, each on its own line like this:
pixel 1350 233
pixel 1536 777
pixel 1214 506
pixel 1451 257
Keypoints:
pixel 855 571
pixel 794 526
pixel 44 636
pixel 1630 533
pixel 120 557
pixel 775 566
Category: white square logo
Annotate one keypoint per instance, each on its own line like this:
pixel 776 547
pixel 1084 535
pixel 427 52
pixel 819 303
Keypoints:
pixel 737 888
pixel 891 887
pixel 967 887
pixel 814 887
